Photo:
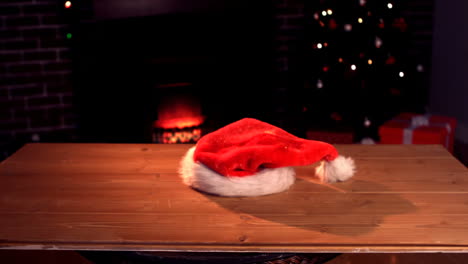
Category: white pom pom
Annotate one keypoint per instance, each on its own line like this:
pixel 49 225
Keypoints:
pixel 339 169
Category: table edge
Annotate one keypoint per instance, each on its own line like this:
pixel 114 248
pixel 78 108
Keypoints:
pixel 311 248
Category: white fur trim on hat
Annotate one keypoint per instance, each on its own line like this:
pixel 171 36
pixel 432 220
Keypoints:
pixel 267 181
pixel 339 169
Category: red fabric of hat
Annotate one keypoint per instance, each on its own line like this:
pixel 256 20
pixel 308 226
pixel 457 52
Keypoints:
pixel 249 145
pixel 250 157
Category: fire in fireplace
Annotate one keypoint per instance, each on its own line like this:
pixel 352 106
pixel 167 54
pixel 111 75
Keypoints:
pixel 173 136
pixel 179 116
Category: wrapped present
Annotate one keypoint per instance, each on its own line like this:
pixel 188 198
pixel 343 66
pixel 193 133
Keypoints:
pixel 409 128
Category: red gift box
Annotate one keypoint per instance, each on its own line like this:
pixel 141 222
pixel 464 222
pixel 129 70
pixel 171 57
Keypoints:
pixel 409 128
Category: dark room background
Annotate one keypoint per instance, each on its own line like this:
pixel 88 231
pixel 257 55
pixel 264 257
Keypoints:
pixel 98 70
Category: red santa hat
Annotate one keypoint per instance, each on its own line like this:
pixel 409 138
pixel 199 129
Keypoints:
pixel 251 158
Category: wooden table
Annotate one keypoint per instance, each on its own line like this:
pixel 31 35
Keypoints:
pixel 404 198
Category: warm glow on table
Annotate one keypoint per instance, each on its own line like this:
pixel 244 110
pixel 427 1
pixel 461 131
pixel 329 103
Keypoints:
pixel 404 198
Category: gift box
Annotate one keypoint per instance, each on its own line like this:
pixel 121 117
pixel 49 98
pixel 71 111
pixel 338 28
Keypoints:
pixel 409 128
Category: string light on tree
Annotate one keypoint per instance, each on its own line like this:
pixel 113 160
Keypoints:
pixel 324 13
pixel 329 12
pixel 389 5
pixel 369 61
pixel 390 60
pixel 367 122
pixel 348 27
pixel 319 84
pixel 420 68
pixel 353 67
pixel 359 20
pixel 332 24
pixel 401 74
pixel 381 23
pixel 319 45
pixel 68 4
pixel 316 16
pixel 400 23
pixel 362 2
pixel 378 42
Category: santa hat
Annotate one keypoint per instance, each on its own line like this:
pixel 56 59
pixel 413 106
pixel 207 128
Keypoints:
pixel 250 158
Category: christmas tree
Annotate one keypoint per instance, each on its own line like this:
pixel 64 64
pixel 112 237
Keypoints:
pixel 358 73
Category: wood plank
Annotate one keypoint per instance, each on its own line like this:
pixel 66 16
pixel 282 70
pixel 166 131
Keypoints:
pixel 129 197
pixel 161 158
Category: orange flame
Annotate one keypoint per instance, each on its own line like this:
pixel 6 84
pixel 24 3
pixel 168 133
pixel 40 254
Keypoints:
pixel 179 123
pixel 179 112
pixel 181 136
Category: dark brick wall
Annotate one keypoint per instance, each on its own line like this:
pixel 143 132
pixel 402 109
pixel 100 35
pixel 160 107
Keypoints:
pixel 35 74
pixel 289 21
pixel 288 36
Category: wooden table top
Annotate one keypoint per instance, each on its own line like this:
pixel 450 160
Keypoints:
pixel 404 198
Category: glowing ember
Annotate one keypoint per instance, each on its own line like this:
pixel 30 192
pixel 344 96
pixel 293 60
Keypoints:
pixel 179 112
pixel 180 123
pixel 185 136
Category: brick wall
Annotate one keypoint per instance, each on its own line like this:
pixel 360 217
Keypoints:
pixel 288 36
pixel 289 21
pixel 35 70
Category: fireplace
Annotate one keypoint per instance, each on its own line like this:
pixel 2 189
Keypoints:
pixel 170 78
pixel 179 115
